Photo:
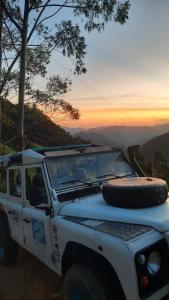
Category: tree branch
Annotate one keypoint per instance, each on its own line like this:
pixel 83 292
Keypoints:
pixel 6 59
pixel 10 17
pixel 52 15
pixel 37 20
pixel 30 45
pixel 8 72
pixel 13 44
pixel 61 5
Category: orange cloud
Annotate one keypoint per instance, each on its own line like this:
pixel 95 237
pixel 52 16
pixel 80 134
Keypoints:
pixel 104 117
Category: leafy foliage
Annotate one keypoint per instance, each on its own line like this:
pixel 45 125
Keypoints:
pixel 160 167
pixel 64 36
pixel 99 12
pixel 5 150
pixel 49 100
pixel 39 128
pixel 29 38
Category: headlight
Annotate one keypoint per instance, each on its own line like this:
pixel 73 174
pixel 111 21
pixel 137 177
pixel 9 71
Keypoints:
pixel 152 266
pixel 154 263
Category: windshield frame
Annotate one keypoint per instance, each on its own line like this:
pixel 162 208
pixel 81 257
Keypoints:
pixel 84 184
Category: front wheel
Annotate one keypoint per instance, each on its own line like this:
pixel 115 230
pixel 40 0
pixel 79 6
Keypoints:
pixel 82 284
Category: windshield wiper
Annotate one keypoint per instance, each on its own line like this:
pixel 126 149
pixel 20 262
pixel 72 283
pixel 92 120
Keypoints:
pixel 78 180
pixel 112 176
pixel 127 175
pixel 86 182
pixel 106 175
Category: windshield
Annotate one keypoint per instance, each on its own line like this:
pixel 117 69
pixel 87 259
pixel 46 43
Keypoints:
pixel 81 169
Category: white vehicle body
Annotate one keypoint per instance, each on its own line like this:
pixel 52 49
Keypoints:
pixel 57 232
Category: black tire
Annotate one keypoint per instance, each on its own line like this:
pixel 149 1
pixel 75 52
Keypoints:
pixel 81 283
pixel 8 247
pixel 135 192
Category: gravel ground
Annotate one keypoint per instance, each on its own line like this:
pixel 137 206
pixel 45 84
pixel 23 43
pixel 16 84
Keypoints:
pixel 29 279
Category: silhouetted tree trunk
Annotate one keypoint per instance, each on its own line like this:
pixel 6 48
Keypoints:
pixel 22 76
pixel 1 24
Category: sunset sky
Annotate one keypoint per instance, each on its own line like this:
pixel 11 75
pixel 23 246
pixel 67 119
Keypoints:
pixel 128 70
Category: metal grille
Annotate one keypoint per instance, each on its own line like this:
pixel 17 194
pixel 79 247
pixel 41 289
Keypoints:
pixel 123 231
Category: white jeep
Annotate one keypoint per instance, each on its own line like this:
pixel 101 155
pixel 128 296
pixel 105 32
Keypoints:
pixel 85 212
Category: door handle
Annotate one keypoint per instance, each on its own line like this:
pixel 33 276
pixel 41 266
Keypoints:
pixel 26 220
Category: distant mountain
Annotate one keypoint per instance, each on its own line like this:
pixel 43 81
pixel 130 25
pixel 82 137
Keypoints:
pixel 157 144
pixel 132 134
pixel 98 139
pixel 73 130
pixel 123 135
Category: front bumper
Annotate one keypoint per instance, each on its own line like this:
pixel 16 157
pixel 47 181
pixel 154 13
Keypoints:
pixel 162 294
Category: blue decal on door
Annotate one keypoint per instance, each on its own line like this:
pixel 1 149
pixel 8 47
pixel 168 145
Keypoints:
pixel 38 231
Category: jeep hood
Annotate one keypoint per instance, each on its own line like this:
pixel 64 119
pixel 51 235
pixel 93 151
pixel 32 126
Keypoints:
pixel 97 209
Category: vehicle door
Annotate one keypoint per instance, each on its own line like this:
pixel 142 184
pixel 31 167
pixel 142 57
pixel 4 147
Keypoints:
pixel 14 204
pixel 36 222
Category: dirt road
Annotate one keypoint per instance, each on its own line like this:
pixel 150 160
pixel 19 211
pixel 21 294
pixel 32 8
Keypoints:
pixel 29 279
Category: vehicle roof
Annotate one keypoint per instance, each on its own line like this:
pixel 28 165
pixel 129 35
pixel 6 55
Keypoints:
pixel 36 155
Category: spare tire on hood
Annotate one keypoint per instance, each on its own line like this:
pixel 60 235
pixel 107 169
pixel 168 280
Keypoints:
pixel 135 192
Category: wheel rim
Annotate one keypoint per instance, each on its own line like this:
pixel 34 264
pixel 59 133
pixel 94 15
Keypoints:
pixel 80 294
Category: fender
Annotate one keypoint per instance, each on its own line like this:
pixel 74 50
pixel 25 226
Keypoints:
pixel 75 253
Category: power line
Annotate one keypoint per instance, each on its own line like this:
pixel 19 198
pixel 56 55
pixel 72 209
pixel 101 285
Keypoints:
pixel 64 6
pixel 81 80
pixel 101 97
pixel 89 87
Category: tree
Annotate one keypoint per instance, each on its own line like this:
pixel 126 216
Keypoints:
pixel 37 126
pixel 26 21
pixel 160 166
pixel 1 28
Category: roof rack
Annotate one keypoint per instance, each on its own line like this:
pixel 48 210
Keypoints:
pixel 17 158
pixel 42 150
pixel 38 154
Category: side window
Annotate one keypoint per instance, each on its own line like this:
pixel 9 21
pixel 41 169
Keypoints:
pixel 35 186
pixel 3 181
pixel 15 182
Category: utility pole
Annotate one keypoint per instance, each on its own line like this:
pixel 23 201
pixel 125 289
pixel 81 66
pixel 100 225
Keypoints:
pixel 1 26
pixel 22 77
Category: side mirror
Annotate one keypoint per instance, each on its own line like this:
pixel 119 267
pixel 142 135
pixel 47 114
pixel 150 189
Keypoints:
pixel 48 210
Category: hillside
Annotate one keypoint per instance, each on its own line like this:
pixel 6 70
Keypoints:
pixel 122 135
pixel 39 128
pixel 157 144
pixel 98 139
